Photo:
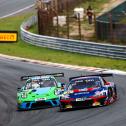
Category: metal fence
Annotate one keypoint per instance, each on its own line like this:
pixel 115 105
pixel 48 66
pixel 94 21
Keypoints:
pixel 84 47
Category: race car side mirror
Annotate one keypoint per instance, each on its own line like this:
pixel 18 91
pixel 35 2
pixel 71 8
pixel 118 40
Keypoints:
pixel 62 85
pixel 18 89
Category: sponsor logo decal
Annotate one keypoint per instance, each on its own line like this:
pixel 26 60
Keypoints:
pixel 8 36
pixel 40 99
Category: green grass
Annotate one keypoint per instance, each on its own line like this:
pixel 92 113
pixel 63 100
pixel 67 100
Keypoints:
pixel 23 49
pixel 34 29
pixel 123 21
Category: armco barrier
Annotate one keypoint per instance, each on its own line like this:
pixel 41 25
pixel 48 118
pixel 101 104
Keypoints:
pixel 84 47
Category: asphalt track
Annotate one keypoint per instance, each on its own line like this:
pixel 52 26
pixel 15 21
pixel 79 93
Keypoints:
pixel 9 7
pixel 10 72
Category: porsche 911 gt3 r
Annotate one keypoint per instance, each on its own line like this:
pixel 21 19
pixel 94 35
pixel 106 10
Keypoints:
pixel 87 91
pixel 39 91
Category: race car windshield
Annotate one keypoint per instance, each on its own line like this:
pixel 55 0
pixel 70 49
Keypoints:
pixel 85 83
pixel 39 83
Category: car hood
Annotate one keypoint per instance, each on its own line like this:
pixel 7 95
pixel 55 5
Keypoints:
pixel 86 94
pixel 34 94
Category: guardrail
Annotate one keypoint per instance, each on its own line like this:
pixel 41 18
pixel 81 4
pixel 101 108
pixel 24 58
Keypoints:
pixel 84 47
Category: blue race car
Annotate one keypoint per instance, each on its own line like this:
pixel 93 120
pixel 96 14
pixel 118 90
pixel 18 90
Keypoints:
pixel 87 91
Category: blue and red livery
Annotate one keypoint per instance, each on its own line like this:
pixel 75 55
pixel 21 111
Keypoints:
pixel 88 91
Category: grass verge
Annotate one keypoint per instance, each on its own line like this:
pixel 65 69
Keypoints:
pixel 23 49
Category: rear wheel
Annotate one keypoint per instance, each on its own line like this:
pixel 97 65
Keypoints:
pixel 115 91
pixel 111 96
pixel 110 93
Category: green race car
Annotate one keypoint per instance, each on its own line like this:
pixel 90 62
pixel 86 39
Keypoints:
pixel 39 91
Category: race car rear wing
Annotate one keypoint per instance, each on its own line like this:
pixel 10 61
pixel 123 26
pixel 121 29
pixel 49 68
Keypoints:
pixel 101 75
pixel 40 75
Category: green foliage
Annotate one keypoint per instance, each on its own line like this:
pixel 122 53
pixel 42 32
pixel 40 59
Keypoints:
pixel 123 21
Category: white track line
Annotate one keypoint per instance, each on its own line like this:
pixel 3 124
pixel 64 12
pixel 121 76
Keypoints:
pixel 17 11
pixel 71 67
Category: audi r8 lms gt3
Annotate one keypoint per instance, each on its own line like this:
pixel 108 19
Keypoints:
pixel 39 91
pixel 87 91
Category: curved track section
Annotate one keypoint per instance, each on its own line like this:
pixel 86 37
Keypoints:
pixel 9 7
pixel 10 72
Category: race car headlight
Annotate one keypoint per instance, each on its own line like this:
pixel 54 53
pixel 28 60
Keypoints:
pixel 24 95
pixel 71 91
pixel 19 102
pixel 58 92
pixel 64 97
pixel 98 93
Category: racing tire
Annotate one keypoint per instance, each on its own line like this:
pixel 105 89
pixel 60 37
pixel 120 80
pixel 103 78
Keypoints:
pixel 115 91
pixel 61 109
pixel 110 93
pixel 109 96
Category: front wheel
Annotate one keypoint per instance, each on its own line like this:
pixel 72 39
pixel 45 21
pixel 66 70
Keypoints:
pixel 61 108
